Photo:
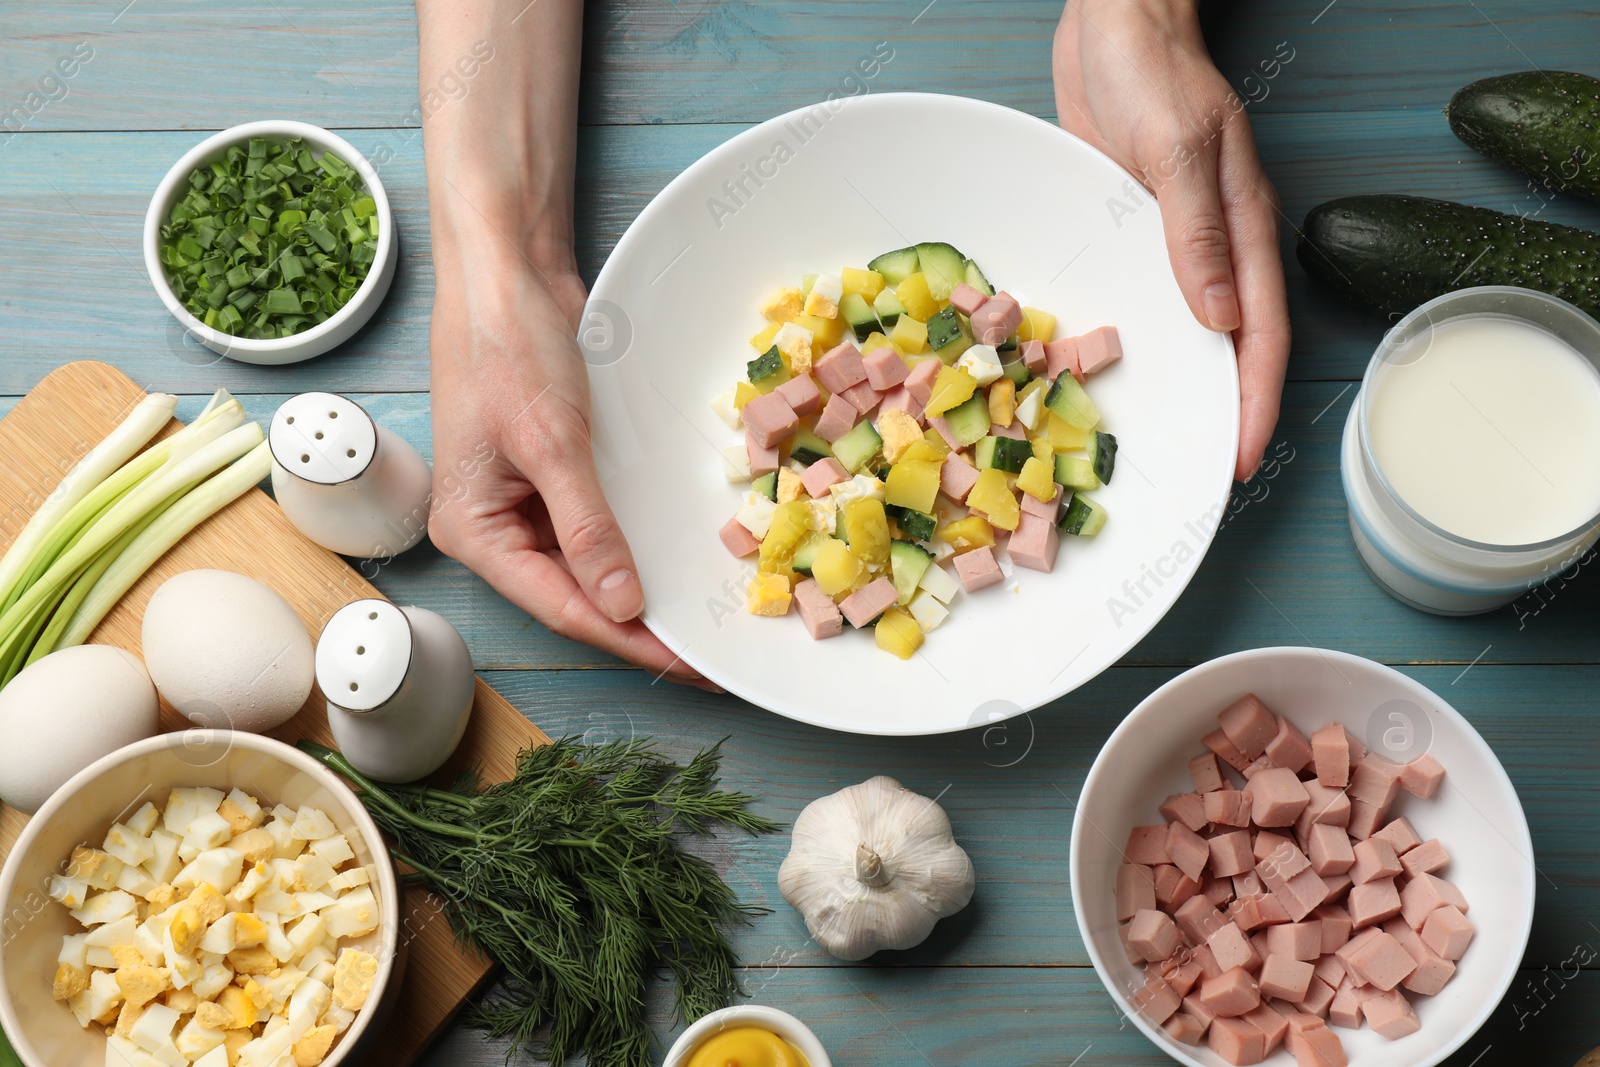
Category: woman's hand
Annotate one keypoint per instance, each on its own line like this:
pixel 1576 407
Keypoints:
pixel 1132 78
pixel 516 496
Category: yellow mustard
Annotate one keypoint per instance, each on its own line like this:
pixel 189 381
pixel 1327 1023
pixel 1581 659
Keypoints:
pixel 747 1046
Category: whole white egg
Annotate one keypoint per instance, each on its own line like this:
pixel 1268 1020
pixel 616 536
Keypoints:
pixel 227 651
pixel 67 710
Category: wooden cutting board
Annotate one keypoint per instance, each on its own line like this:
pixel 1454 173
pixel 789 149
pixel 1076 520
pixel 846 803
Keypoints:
pixel 43 437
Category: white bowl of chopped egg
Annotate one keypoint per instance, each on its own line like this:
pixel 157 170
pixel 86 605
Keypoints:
pixel 126 890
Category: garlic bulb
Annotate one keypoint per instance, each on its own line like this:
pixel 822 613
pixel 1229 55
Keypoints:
pixel 872 867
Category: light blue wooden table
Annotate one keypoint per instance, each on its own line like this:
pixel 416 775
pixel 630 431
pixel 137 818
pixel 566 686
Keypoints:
pixel 1007 982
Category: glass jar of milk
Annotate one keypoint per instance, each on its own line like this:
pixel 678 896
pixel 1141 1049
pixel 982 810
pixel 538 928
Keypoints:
pixel 1471 457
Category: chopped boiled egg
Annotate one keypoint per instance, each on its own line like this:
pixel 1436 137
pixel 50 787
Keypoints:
pixel 726 405
pixel 214 934
pixel 982 362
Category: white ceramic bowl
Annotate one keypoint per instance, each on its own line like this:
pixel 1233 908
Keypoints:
pixel 44 1032
pixel 781 1023
pixel 1050 220
pixel 340 326
pixel 1476 816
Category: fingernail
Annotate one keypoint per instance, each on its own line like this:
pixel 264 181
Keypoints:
pixel 620 596
pixel 1222 306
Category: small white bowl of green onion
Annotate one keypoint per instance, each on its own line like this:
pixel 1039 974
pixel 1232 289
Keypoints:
pixel 271 242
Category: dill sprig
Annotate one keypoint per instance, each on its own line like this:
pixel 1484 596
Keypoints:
pixel 573 877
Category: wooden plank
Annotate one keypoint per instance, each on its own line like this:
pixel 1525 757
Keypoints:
pixel 694 61
pixel 1032 1017
pixel 77 205
pixel 1010 792
pixel 71 411
pixel 1374 55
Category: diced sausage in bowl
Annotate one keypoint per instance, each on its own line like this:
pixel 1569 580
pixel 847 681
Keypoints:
pixel 1295 855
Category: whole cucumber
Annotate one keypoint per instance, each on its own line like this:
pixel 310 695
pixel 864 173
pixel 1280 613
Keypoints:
pixel 1544 123
pixel 1391 253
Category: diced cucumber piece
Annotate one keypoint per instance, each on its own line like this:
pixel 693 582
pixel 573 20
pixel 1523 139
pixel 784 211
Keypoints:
pixel 944 328
pixel 1084 517
pixel 1068 400
pixel 855 449
pixel 1102 455
pixel 896 266
pixel 1076 473
pixel 1002 453
pixel 976 279
pixel 951 352
pixel 907 564
pixel 983 453
pixel 969 422
pixel 943 266
pixel 807 552
pixel 914 524
pixel 1016 370
pixel 889 308
pixel 858 313
pixel 805 285
pixel 766 365
pixel 1010 344
pixel 808 448
pixel 767 485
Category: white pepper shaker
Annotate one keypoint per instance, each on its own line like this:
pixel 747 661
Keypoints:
pixel 347 483
pixel 399 686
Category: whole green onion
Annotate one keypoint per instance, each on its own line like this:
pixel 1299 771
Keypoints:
pixel 270 240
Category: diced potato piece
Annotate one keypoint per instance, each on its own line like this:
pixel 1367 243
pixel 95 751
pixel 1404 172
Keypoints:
pixel 791 523
pixel 825 332
pixel 866 283
pixel 910 335
pixel 952 388
pixel 1038 479
pixel 916 297
pixel 835 568
pixel 876 340
pixel 1064 437
pixel 966 534
pixel 898 633
pixel 913 485
pixel 867 529
pixel 927 450
pixel 1036 325
pixel 991 495
pixel 764 338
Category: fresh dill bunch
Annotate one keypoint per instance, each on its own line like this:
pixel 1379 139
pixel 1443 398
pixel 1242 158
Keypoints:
pixel 573 877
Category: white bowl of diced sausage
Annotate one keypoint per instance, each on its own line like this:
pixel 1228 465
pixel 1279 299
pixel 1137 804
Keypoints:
pixel 1299 855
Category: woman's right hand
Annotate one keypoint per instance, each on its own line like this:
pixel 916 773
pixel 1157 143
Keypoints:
pixel 1133 79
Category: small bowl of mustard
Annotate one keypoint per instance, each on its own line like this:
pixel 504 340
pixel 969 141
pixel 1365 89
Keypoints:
pixel 748 1033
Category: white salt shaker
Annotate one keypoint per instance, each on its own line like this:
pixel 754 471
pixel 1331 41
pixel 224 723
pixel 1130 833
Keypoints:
pixel 347 483
pixel 399 686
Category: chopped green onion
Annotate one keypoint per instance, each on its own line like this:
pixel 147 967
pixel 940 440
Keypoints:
pixel 58 572
pixel 270 218
pixel 157 536
pixel 133 433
